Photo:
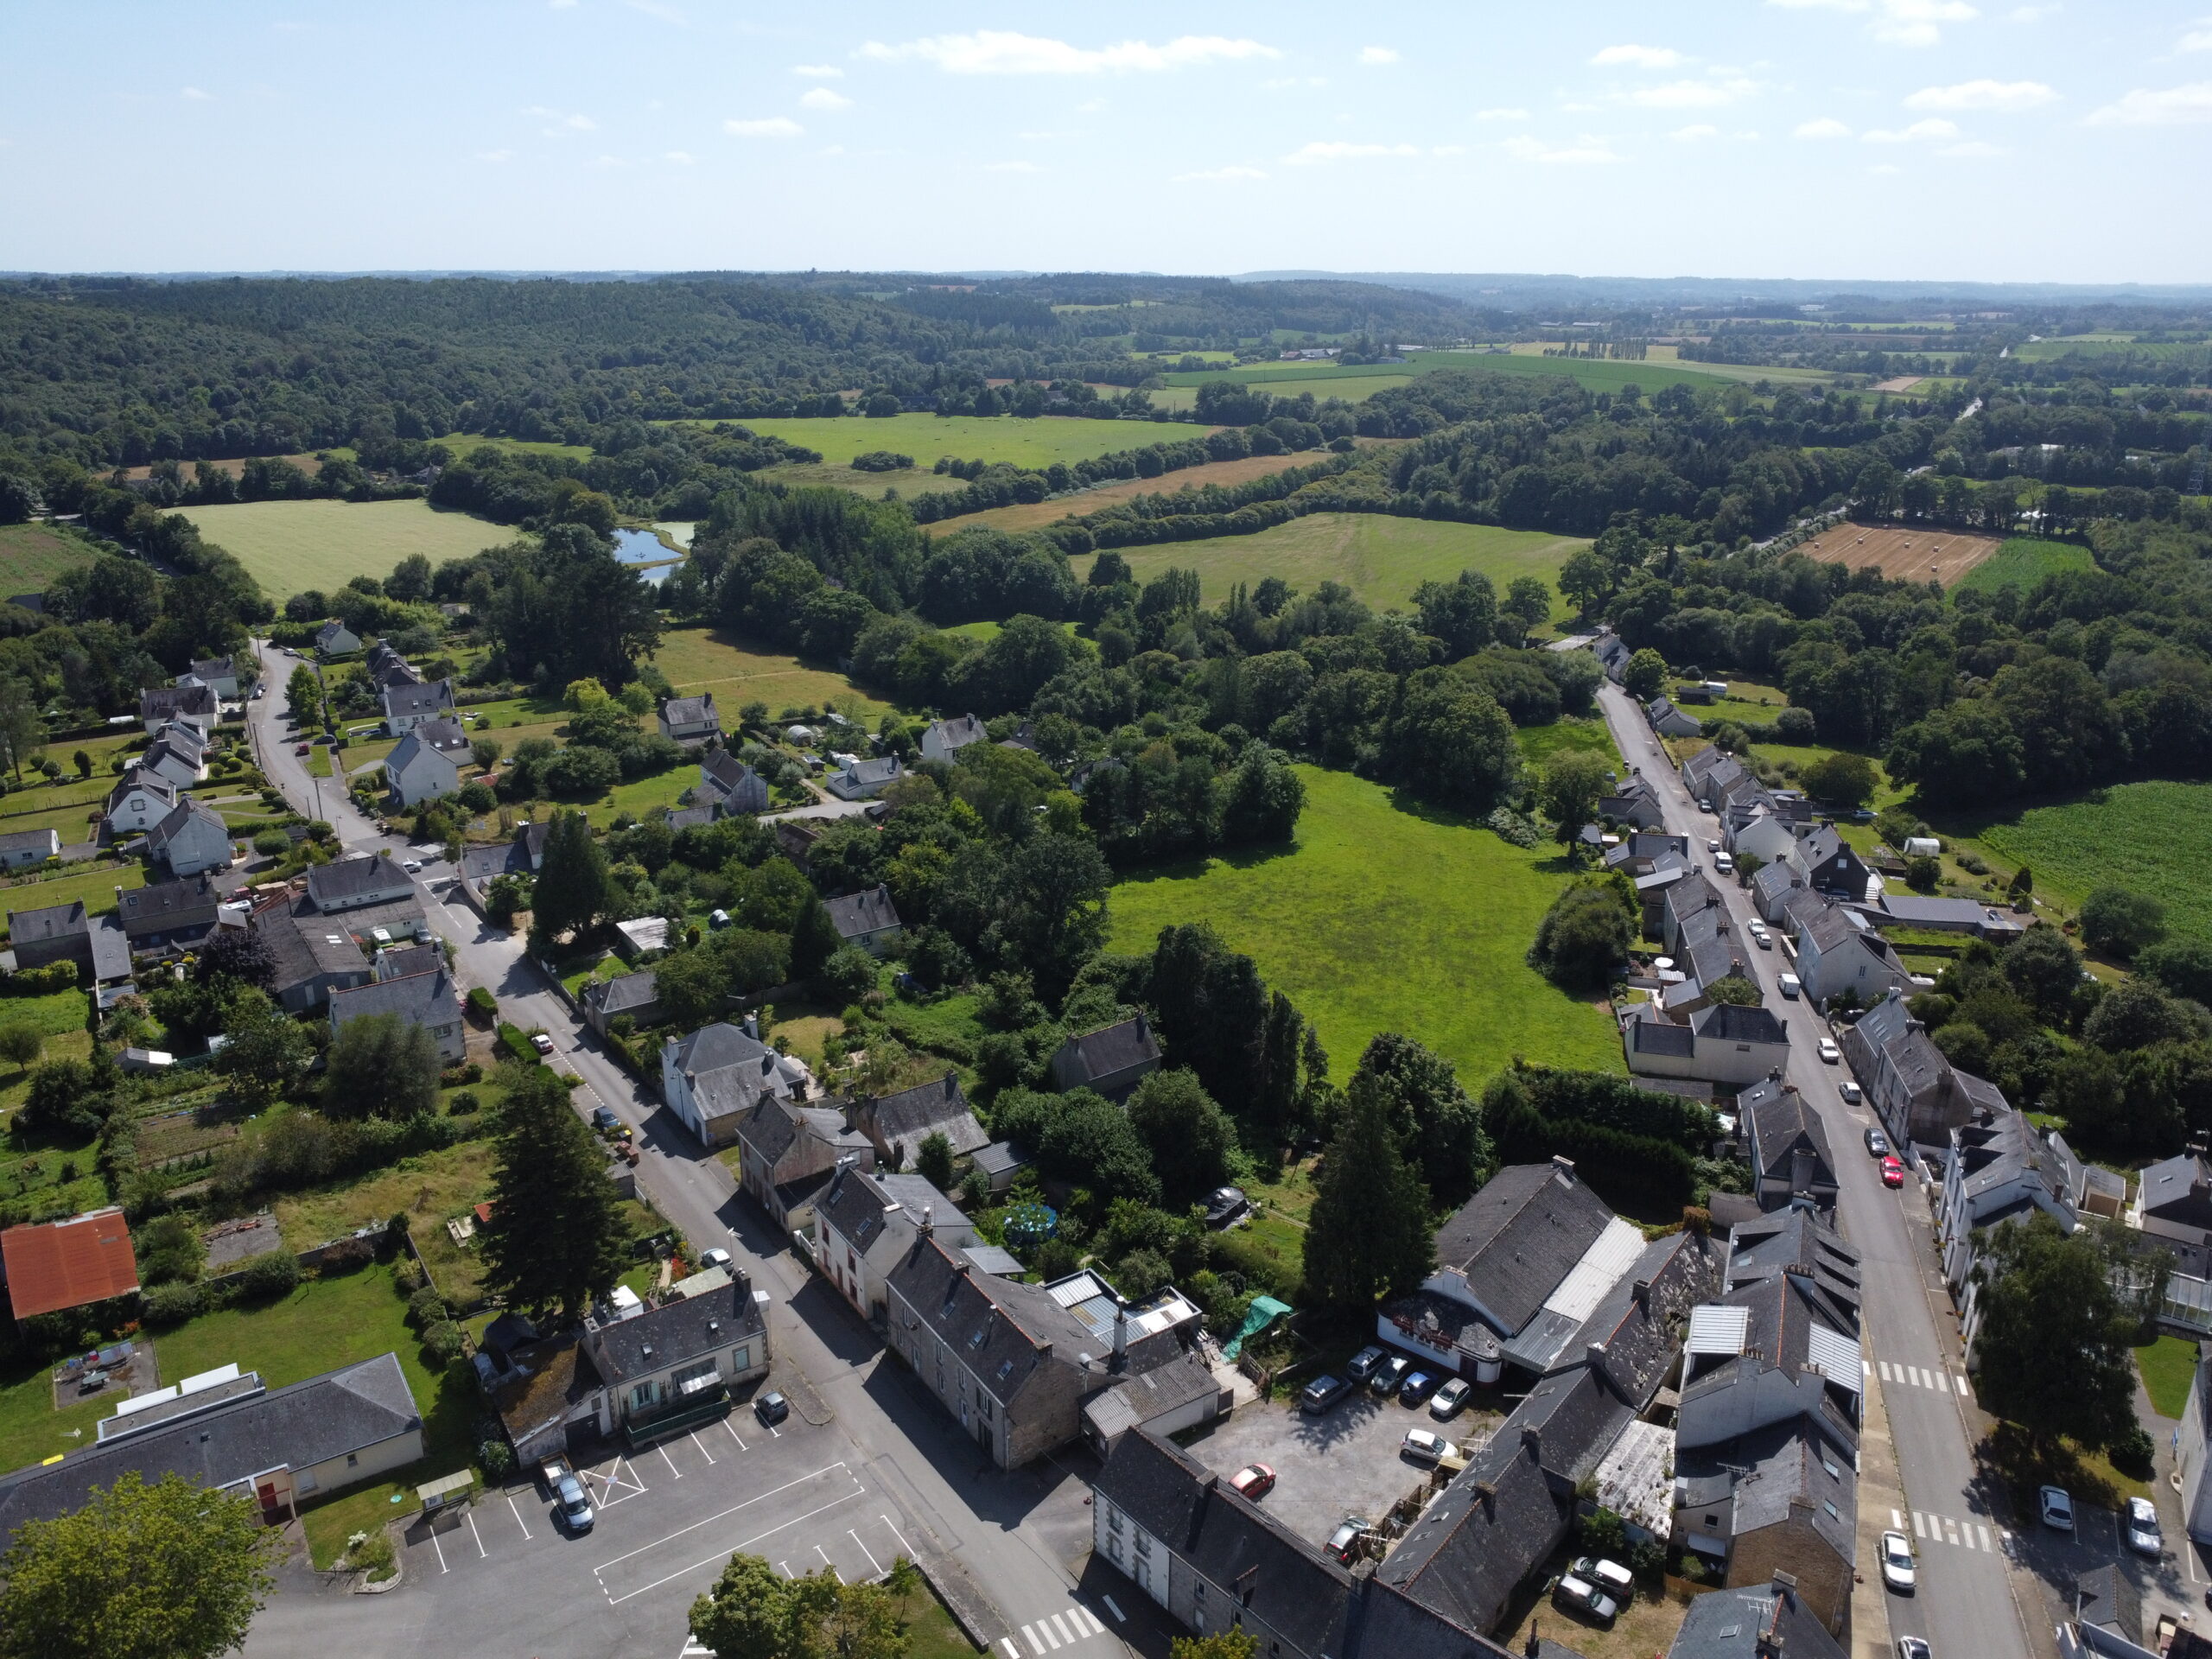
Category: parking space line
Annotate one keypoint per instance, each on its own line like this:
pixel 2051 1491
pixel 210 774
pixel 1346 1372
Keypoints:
pixel 704 1452
pixel 482 1554
pixel 440 1547
pixel 733 1434
pixel 786 1566
pixel 865 1550
pixel 1114 1608
pixel 518 1520
pixel 903 1546
pixel 719 1555
pixel 826 1562
pixel 670 1462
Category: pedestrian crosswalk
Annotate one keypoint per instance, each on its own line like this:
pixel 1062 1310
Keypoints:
pixel 1921 1378
pixel 1057 1631
pixel 1946 1529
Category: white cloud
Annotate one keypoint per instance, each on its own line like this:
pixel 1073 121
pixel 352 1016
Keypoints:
pixel 1014 166
pixel 1896 22
pixel 1586 151
pixel 1972 149
pixel 195 95
pixel 667 14
pixel 822 99
pixel 681 157
pixel 1309 154
pixel 1918 132
pixel 2006 95
pixel 2030 14
pixel 2197 39
pixel 1285 83
pixel 774 126
pixel 1691 135
pixel 1707 94
pixel 1826 127
pixel 1219 176
pixel 1001 52
pixel 495 155
pixel 1641 57
pixel 1885 170
pixel 2173 106
pixel 581 124
pixel 1378 54
pixel 1500 115
pixel 818 71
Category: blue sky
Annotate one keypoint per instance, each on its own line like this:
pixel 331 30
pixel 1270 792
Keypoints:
pixel 1812 138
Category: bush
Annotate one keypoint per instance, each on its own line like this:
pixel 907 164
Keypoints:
pixel 849 975
pixel 442 1344
pixel 463 1103
pixel 426 1308
pixel 496 1459
pixel 272 843
pixel 41 981
pixel 2118 923
pixel 173 1304
pixel 881 461
pixel 1795 726
pixel 1922 874
pixel 265 1277
pixel 2132 1452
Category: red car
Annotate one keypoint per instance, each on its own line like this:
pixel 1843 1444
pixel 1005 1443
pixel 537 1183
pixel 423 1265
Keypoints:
pixel 304 748
pixel 1892 1172
pixel 1254 1480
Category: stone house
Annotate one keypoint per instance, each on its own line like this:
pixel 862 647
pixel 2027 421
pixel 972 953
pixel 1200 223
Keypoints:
pixel 1112 1060
pixel 691 720
pixel 406 706
pixel 727 783
pixel 867 919
pixel 713 1077
pixel 943 739
pixel 896 1125
pixel 417 771
pixel 429 1000
pixel 193 705
pixel 668 1370
pixel 334 639
pixel 865 1221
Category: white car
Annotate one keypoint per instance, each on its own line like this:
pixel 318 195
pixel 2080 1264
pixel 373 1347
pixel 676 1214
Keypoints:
pixel 412 866
pixel 1898 1571
pixel 1850 1092
pixel 1761 939
pixel 1449 1398
pixel 714 1258
pixel 2143 1527
pixel 1711 845
pixel 1830 1054
pixel 1424 1447
pixel 2057 1509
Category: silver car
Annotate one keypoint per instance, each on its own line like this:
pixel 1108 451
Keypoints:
pixel 2143 1527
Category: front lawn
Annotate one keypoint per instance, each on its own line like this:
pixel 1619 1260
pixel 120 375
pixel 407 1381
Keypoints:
pixel 1387 915
pixel 2169 1368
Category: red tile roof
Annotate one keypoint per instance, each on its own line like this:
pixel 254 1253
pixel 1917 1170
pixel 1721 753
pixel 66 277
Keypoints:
pixel 62 1264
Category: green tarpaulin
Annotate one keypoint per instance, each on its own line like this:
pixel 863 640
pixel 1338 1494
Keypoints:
pixel 1265 1311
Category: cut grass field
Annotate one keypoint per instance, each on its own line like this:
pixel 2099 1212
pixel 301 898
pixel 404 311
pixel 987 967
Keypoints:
pixel 2023 561
pixel 1539 743
pixel 1902 552
pixel 909 482
pixel 31 555
pixel 292 545
pixel 711 660
pixel 431 1188
pixel 94 885
pixel 966 437
pixel 2152 838
pixel 2169 1367
pixel 1034 515
pixel 1381 558
pixel 1385 917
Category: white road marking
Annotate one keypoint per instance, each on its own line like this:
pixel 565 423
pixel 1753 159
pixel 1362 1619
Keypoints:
pixel 900 1535
pixel 1866 1368
pixel 733 1434
pixel 1114 1608
pixel 1918 1531
pixel 440 1547
pixel 721 1555
pixel 866 1551
pixel 1029 1635
pixel 1962 1386
pixel 1061 1626
pixel 1897 1521
pixel 482 1554
pixel 518 1521
pixel 1012 1652
pixel 1087 1617
pixel 732 1510
pixel 1045 1630
pixel 704 1452
pixel 786 1566
pixel 1885 1370
pixel 1986 1544
pixel 670 1462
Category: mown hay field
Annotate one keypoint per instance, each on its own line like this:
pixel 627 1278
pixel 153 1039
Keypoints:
pixel 292 545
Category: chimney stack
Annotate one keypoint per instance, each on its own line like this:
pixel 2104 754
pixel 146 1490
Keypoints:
pixel 1563 1168
pixel 1643 1294
pixel 928 1229
pixel 1120 1337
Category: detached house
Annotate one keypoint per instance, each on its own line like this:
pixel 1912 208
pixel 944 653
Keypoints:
pixel 142 800
pixel 867 919
pixel 729 785
pixel 1999 1168
pixel 429 1000
pixel 1634 802
pixel 24 848
pixel 314 955
pixel 1111 1060
pixel 194 705
pixel 1830 865
pixel 168 915
pixel 943 739
pixel 896 1125
pixel 418 770
pixel 406 707
pixel 356 883
pixel 1669 721
pixel 334 639
pixel 691 720
pixel 711 1078
pixel 864 1222
pixel 220 675
pixel 863 780
pixel 191 838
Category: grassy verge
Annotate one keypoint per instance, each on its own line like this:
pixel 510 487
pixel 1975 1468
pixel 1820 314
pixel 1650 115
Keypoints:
pixel 2169 1368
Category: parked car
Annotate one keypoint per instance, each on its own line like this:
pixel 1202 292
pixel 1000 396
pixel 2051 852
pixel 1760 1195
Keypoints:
pixel 1610 1577
pixel 1711 845
pixel 1851 1092
pixel 2143 1527
pixel 1913 1646
pixel 1343 1542
pixel 1323 1392
pixel 1417 1387
pixel 1584 1597
pixel 1385 1378
pixel 772 1408
pixel 1253 1480
pixel 1877 1144
pixel 1422 1447
pixel 1898 1569
pixel 1830 1054
pixel 1723 864
pixel 2057 1507
pixel 412 866
pixel 603 1120
pixel 303 749
pixel 1224 1204
pixel 1365 1362
pixel 571 1500
pixel 1449 1398
pixel 1892 1172
pixel 714 1258
pixel 541 1042
pixel 1761 939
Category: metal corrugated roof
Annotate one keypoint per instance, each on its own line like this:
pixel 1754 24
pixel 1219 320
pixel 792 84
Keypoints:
pixel 1835 1357
pixel 1613 1254
pixel 1716 1329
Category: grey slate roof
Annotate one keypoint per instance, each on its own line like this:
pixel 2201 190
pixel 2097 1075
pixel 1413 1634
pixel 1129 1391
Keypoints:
pixel 160 905
pixel 959 733
pixel 1727 1625
pixel 729 1072
pixel 186 812
pixel 325 1417
pixel 139 780
pixel 168 702
pixel 859 913
pixel 1114 1048
pixel 46 923
pixel 1660 1038
pixel 418 998
pixel 1776 1121
pixel 1519 1235
pixel 856 1203
pixel 1640 1321
pixel 690 711
pixel 623 993
pixel 1732 1022
pixel 1796 1242
pixel 306 946
pixel 435 697
pixel 677 1330
pixel 1006 1333
pixel 1809 1458
pixel 446 736
pixel 350 877
pixel 911 1117
pixel 23 840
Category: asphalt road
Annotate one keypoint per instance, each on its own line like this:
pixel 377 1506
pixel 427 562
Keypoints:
pixel 1018 1536
pixel 1965 1605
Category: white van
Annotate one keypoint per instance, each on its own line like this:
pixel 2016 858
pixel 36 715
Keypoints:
pixel 1790 986
pixel 1723 864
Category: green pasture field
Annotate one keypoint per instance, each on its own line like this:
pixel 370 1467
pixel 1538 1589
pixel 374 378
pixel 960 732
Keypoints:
pixel 94 885
pixel 711 659
pixel 32 555
pixel 2023 561
pixel 988 438
pixel 292 545
pixel 1388 917
pixel 909 482
pixel 1381 558
pixel 1539 743
pixel 464 443
pixel 2152 838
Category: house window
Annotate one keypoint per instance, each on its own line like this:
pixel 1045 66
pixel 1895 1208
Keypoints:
pixel 983 1403
pixel 353 1461
pixel 644 1395
pixel 695 1379
pixel 740 1359
pixel 1198 1590
pixel 1113 1518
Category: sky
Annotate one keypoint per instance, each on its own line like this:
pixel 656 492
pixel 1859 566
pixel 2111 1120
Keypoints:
pixel 1867 139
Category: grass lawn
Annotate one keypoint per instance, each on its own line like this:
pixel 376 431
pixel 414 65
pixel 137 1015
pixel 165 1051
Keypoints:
pixel 432 1189
pixel 1382 558
pixel 2023 561
pixel 31 1430
pixel 931 1632
pixel 2152 838
pixel 31 555
pixel 2169 1366
pixel 1539 743
pixel 1388 917
pixel 95 885
pixel 712 660
pixel 291 545
pixel 909 481
pixel 965 437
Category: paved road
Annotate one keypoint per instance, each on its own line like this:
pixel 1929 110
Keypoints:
pixel 1965 1604
pixel 1016 1535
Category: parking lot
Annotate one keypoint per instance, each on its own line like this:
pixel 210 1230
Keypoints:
pixel 667 1521
pixel 2173 1584
pixel 1345 1461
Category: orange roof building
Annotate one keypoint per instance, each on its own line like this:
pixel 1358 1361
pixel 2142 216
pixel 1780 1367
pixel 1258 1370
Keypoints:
pixel 61 1264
